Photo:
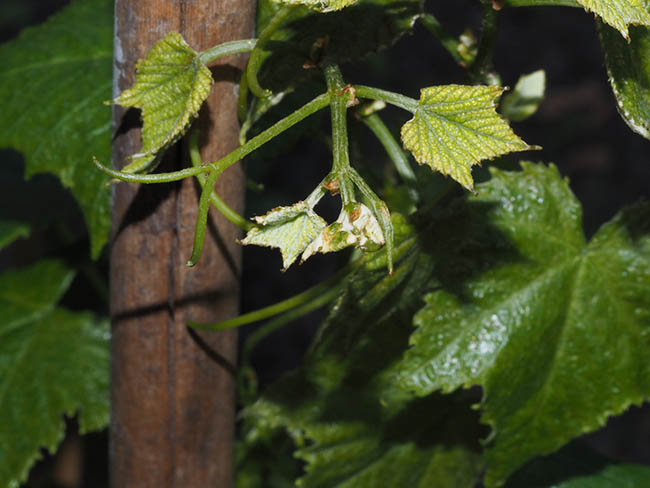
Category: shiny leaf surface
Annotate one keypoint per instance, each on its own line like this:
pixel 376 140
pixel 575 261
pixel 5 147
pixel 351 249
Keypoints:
pixel 628 66
pixel 619 13
pixel 556 331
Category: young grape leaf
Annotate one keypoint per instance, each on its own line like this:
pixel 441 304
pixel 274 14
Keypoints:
pixel 290 229
pixel 524 100
pixel 320 5
pixel 455 127
pixel 170 86
pixel 351 426
pixel 53 362
pixel 628 67
pixel 53 81
pixel 619 13
pixel 556 331
pixel 11 231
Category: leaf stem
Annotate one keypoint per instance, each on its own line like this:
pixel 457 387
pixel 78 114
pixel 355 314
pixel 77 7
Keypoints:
pixel 449 42
pixel 276 309
pixel 232 47
pixel 482 69
pixel 340 149
pixel 380 209
pixel 215 199
pixel 395 152
pixel 202 217
pixel 257 56
pixel 291 315
pixel 153 178
pixel 396 99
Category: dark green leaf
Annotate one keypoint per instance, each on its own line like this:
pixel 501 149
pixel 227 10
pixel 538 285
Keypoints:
pixel 54 80
pixel 352 427
pixel 52 362
pixel 555 330
pixel 628 66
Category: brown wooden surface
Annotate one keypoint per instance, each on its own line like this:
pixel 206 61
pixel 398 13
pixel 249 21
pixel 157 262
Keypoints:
pixel 173 394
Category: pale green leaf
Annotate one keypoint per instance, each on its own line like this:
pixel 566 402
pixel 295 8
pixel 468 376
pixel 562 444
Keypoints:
pixel 556 331
pixel 351 426
pixel 170 86
pixel 289 229
pixel 320 5
pixel 53 362
pixel 619 13
pixel 628 66
pixel 11 231
pixel 524 100
pixel 53 81
pixel 455 127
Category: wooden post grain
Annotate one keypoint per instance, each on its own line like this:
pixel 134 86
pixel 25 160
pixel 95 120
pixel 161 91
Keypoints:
pixel 173 392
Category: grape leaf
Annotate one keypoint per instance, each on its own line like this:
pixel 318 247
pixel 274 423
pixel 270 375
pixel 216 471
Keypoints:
pixel 351 426
pixel 524 100
pixel 11 231
pixel 628 66
pixel 619 13
pixel 52 362
pixel 455 127
pixel 53 81
pixel 320 5
pixel 170 86
pixel 290 229
pixel 556 331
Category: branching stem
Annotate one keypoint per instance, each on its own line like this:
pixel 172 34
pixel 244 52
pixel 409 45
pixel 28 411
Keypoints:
pixel 396 99
pixel 220 50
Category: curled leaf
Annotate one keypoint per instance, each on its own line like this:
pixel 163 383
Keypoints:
pixel 289 229
pixel 356 226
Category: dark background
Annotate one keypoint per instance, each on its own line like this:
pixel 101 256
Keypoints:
pixel 577 125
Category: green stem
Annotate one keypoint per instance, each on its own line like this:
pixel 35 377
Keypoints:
pixel 280 307
pixel 482 69
pixel 242 98
pixel 153 178
pixel 449 42
pixel 202 217
pixel 257 56
pixel 220 50
pixel 289 316
pixel 380 209
pixel 340 148
pixel 215 199
pixel 397 99
pixel 303 112
pixel 394 151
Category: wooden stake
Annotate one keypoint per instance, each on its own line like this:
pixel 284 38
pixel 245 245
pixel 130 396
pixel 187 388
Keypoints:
pixel 173 392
